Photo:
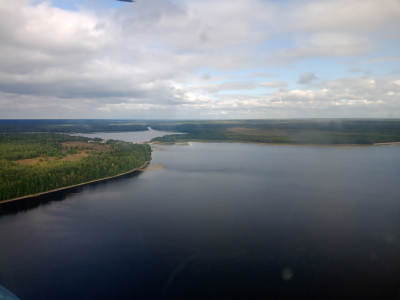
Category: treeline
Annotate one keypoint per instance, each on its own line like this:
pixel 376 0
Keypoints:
pixel 67 126
pixel 304 138
pixel 17 180
pixel 217 136
pixel 326 125
pixel 326 132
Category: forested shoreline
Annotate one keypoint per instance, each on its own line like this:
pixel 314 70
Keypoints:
pixel 309 132
pixel 279 131
pixel 52 170
pixel 69 126
pixel 32 163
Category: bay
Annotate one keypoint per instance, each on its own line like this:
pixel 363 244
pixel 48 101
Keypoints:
pixel 220 221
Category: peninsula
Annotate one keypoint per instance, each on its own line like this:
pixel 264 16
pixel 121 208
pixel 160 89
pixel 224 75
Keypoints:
pixel 40 162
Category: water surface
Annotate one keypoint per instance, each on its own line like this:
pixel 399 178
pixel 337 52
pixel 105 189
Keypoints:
pixel 221 221
pixel 134 137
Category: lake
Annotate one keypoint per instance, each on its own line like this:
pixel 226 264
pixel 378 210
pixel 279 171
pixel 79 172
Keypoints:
pixel 134 137
pixel 215 221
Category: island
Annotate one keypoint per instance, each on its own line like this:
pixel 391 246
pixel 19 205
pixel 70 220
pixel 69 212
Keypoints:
pixel 34 163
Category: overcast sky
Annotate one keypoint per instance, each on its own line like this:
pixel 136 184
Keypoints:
pixel 199 59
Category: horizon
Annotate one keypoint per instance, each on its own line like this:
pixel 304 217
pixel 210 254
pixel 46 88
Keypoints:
pixel 211 120
pixel 253 119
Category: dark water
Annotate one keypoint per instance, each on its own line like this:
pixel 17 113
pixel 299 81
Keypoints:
pixel 221 221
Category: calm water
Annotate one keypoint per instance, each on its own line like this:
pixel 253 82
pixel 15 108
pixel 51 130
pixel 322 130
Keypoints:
pixel 135 137
pixel 221 221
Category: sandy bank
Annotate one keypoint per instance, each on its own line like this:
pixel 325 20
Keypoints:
pixel 383 144
pixel 274 144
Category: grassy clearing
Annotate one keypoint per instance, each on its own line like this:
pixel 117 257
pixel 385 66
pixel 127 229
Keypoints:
pixel 84 149
pixel 94 146
pixel 75 157
pixel 42 160
pixel 34 161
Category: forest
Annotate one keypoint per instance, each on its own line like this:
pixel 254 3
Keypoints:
pixel 293 131
pixel 69 126
pixel 32 163
pixel 35 163
pixel 311 131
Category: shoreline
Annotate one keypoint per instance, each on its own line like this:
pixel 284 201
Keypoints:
pixel 387 144
pixel 75 185
pixel 275 144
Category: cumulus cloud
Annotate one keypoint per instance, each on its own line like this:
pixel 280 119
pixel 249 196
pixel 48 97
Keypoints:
pixel 188 58
pixel 307 78
pixel 347 97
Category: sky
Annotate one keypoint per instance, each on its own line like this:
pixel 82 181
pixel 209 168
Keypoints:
pixel 199 59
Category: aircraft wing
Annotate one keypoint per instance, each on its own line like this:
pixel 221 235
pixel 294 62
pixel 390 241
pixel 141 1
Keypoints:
pixel 6 294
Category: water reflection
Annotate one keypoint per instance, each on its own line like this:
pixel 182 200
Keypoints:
pixel 24 205
pixel 221 221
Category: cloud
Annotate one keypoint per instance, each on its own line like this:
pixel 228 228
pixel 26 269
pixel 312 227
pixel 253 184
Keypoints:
pixel 274 84
pixel 307 78
pixel 354 70
pixel 188 58
pixel 381 59
pixel 226 86
pixel 346 15
pixel 261 74
pixel 345 97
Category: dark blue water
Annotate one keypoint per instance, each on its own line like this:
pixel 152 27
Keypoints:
pixel 221 221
